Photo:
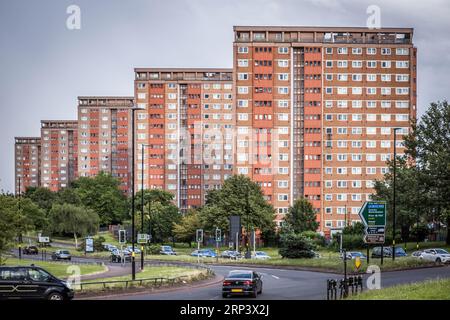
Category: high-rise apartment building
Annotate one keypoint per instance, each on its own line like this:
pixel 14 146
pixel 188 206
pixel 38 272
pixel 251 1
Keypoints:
pixel 58 153
pixel 104 137
pixel 321 103
pixel 27 152
pixel 185 128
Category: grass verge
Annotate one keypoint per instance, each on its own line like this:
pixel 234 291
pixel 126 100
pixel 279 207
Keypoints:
pixel 427 290
pixel 179 274
pixel 58 269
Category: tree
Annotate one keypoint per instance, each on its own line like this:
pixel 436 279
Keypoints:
pixel 241 197
pixel 429 145
pixel 161 220
pixel 41 196
pixel 103 195
pixel 301 216
pixel 185 230
pixel 79 221
pixel 294 245
pixel 68 195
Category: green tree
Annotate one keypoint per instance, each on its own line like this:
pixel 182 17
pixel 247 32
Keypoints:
pixel 301 216
pixel 294 245
pixel 68 195
pixel 103 195
pixel 185 230
pixel 241 197
pixel 41 196
pixel 70 219
pixel 429 145
pixel 161 220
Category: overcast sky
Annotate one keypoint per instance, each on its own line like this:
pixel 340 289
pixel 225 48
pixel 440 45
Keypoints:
pixel 44 66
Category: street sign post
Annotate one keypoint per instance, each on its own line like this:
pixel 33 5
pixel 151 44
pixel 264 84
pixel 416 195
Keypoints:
pixel 143 238
pixel 89 245
pixel 199 238
pixel 373 216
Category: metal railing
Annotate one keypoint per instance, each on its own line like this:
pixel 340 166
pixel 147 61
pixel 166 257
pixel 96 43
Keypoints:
pixel 346 286
pixel 156 282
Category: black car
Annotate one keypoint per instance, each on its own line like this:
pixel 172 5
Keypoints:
pixel 31 282
pixel 30 250
pixel 242 282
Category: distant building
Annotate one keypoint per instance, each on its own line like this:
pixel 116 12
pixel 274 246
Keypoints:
pixel 27 163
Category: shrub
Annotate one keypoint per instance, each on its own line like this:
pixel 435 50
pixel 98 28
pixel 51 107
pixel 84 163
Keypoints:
pixel 153 249
pixel 296 246
pixel 349 242
pixel 316 237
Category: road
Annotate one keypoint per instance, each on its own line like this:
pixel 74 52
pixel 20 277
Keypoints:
pixel 287 284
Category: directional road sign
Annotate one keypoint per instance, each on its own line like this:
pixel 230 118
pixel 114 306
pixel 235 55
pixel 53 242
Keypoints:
pixel 373 216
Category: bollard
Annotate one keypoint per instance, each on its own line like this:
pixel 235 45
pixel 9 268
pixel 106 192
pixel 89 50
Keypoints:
pixel 350 283
pixel 335 289
pixel 360 282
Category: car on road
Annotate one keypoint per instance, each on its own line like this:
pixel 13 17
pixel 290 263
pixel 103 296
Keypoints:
pixel 31 282
pixel 261 255
pixel 204 253
pixel 242 282
pixel 387 252
pixel 167 250
pixel 30 250
pixel 136 250
pixel 119 256
pixel 351 255
pixel 231 254
pixel 61 255
pixel 109 247
pixel 436 254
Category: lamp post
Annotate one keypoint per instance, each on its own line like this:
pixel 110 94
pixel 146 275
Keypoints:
pixel 393 195
pixel 247 207
pixel 133 238
pixel 142 201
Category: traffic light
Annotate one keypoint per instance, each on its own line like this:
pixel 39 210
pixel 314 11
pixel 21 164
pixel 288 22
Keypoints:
pixel 199 235
pixel 218 235
pixel 122 236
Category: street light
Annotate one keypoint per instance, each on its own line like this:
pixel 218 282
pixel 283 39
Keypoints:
pixel 247 252
pixel 393 196
pixel 142 201
pixel 133 239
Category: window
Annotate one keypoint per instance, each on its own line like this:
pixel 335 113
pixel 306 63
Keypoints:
pixel 385 64
pixel 242 116
pixel 402 51
pixel 356 50
pixel 283 50
pixel 371 64
pixel 342 50
pixel 386 51
pixel 371 144
pixel 242 76
pixel 283 76
pixel 371 117
pixel 402 91
pixel 402 64
pixel 342 64
pixel 242 63
pixel 402 78
pixel 356 77
pixel 243 49
pixel 371 51
pixel 401 117
pixel 328 50
pixel 356 117
pixel 329 64
pixel 386 77
pixel 283 63
pixel 357 64
pixel 371 130
pixel 371 91
pixel 283 90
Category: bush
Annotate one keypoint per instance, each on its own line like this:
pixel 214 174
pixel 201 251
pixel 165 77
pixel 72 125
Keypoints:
pixel 349 242
pixel 420 232
pixel 316 237
pixel 296 246
pixel 153 249
pixel 356 229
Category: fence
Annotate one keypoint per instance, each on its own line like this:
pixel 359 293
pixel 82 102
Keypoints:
pixel 157 282
pixel 345 285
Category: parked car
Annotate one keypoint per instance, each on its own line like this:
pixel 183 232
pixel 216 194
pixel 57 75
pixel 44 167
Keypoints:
pixel 136 250
pixel 109 247
pixel 30 250
pixel 261 255
pixel 231 254
pixel 31 282
pixel 242 282
pixel 417 254
pixel 351 255
pixel 204 253
pixel 119 256
pixel 61 255
pixel 437 255
pixel 387 252
pixel 167 250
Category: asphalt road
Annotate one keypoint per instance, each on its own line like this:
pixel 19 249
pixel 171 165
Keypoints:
pixel 281 284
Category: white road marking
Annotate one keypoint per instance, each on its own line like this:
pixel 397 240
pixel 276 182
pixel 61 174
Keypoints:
pixel 275 277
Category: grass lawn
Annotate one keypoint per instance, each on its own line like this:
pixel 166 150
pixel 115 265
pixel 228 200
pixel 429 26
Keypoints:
pixel 149 272
pixel 58 269
pixel 427 290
